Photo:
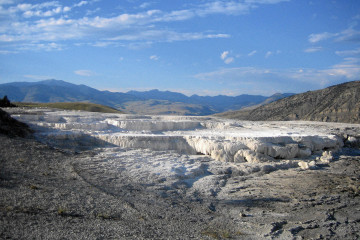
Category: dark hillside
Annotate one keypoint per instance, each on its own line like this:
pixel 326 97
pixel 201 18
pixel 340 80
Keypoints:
pixel 339 103
pixel 12 127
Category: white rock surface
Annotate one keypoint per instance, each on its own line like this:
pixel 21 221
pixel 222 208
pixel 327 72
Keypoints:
pixel 327 157
pixel 222 140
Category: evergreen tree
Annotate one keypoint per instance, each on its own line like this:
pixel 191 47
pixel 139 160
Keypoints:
pixel 5 102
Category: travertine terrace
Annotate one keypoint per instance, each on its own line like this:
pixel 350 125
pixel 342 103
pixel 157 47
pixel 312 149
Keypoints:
pixel 160 177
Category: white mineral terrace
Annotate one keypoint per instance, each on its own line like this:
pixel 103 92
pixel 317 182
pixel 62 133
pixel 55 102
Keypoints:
pixel 223 140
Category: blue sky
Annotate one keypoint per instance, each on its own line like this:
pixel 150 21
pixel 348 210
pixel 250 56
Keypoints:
pixel 204 47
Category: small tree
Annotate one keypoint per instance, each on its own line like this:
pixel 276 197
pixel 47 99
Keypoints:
pixel 5 102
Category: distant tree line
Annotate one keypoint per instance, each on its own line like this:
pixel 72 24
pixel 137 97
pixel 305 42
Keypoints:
pixel 6 103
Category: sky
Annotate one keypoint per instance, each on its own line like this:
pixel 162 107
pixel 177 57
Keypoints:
pixel 204 47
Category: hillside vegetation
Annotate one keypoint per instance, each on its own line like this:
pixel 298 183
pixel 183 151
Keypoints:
pixel 339 103
pixel 164 107
pixel 89 107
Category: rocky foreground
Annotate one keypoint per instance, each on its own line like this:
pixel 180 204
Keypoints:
pixel 108 191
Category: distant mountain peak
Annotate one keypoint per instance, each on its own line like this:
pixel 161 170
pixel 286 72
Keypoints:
pixel 55 82
pixel 53 90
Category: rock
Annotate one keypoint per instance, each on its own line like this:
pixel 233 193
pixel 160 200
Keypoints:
pixel 242 215
pixel 304 153
pixel 312 165
pixel 251 157
pixel 352 141
pixel 307 165
pixel 327 157
pixel 303 165
pixel 221 156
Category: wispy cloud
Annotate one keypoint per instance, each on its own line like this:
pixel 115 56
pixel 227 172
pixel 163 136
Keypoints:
pixel 84 73
pixel 347 70
pixel 224 55
pixel 154 57
pixel 51 46
pixel 5 52
pixel 252 53
pixel 352 52
pixel 317 37
pixel 271 53
pixel 224 7
pixel 145 5
pixel 164 36
pixel 37 77
pixel 229 60
pixel 82 3
pixel 45 9
pixel 313 49
pixel 52 21
pixel 4 2
pixel 268 54
pixel 349 34
pixel 226 58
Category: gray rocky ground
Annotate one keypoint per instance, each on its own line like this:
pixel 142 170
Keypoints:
pixel 47 192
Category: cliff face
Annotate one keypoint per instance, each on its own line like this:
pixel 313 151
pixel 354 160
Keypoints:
pixel 339 103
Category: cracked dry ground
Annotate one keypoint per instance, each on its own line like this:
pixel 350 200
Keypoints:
pixel 44 197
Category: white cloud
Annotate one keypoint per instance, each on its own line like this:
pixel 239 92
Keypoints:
pixel 4 2
pixel 229 60
pixel 164 36
pixel 314 38
pixel 154 57
pixel 82 3
pixel 47 22
pixel 226 58
pixel 145 5
pixel 45 9
pixel 252 53
pixel 349 34
pixel 348 70
pixel 84 73
pixel 6 38
pixel 5 52
pixel 41 47
pixel 224 55
pixel 224 7
pixel 313 49
pixel 348 52
pixel 179 15
pixel 232 7
pixel 268 54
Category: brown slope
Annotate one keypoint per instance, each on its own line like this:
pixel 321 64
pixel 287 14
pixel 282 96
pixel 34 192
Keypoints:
pixel 339 103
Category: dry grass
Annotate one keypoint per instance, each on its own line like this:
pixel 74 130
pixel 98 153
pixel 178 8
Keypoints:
pixel 89 107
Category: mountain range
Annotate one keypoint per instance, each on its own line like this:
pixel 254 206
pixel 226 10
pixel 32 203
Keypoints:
pixel 339 103
pixel 147 102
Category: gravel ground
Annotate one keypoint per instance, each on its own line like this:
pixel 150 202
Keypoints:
pixel 47 193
